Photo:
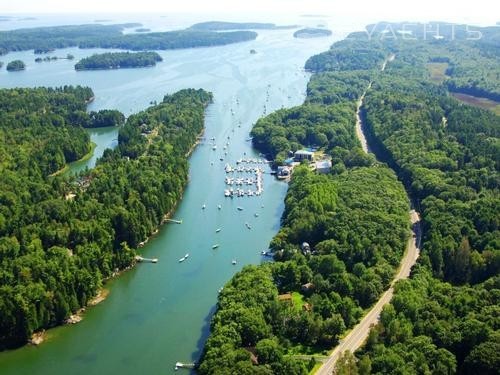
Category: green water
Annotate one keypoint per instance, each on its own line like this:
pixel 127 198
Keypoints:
pixel 157 314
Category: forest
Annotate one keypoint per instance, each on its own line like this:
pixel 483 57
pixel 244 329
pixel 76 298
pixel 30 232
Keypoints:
pixel 111 36
pixel 118 60
pixel 442 320
pixel 61 238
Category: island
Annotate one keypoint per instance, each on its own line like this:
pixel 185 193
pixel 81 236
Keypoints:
pixel 311 32
pixel 221 26
pixel 118 60
pixel 112 36
pixel 16 65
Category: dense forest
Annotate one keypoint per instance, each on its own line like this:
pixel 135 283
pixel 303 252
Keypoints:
pixel 311 32
pixel 16 65
pixel 117 60
pixel 442 320
pixel 62 237
pixel 111 36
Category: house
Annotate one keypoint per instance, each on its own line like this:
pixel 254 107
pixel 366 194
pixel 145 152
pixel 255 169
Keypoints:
pixel 302 155
pixel 306 249
pixel 307 287
pixel 323 166
pixel 307 307
pixel 287 298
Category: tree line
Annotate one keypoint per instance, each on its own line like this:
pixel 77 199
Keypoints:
pixel 111 36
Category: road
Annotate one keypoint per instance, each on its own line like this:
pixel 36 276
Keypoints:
pixel 359 333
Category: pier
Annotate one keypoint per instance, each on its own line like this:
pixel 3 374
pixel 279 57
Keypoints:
pixel 173 221
pixel 147 260
pixel 179 365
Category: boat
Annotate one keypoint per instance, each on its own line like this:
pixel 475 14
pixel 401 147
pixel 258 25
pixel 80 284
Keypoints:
pixel 248 226
pixel 215 246
pixel 214 147
pixel 186 256
pixel 256 214
pixel 233 262
pixel 218 230
pixel 203 207
pixel 182 259
pixel 239 208
pixel 219 206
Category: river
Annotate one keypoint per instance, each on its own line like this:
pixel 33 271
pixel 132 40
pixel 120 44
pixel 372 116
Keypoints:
pixel 157 314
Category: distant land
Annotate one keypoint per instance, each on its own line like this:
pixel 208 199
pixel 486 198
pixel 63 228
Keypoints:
pixel 104 20
pixel 221 25
pixel 118 60
pixel 111 36
pixel 28 19
pixel 311 33
pixel 142 30
pixel 313 15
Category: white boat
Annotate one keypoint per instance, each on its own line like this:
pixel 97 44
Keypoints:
pixel 233 262
pixel 256 214
pixel 239 208
pixel 182 259
pixel 218 230
pixel 203 207
pixel 219 206
pixel 215 246
pixel 214 147
pixel 186 256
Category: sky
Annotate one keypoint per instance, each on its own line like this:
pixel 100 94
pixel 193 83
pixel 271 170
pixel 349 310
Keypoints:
pixel 478 11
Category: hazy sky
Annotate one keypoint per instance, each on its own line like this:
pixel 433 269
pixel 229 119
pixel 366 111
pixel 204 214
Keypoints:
pixel 483 11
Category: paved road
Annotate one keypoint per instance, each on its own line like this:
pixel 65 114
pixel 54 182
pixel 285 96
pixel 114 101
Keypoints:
pixel 360 332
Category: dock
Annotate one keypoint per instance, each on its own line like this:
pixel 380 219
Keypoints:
pixel 173 221
pixel 147 260
pixel 179 365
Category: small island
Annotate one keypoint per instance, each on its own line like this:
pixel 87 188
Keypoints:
pixel 16 65
pixel 118 60
pixel 311 32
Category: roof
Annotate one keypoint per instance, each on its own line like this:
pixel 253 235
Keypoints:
pixel 285 297
pixel 303 152
pixel 323 164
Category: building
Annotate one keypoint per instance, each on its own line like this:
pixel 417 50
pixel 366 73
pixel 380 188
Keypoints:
pixel 283 172
pixel 306 249
pixel 301 155
pixel 323 166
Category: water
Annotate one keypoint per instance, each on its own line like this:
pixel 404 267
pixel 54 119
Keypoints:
pixel 157 314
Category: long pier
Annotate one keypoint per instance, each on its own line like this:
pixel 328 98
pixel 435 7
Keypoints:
pixel 147 260
pixel 179 365
pixel 173 221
